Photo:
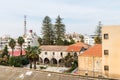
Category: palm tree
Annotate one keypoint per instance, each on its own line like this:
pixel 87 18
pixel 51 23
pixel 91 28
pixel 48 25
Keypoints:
pixel 20 42
pixel 12 44
pixel 32 54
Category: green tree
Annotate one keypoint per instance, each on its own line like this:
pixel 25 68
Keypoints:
pixel 47 31
pixel 32 54
pixel 5 56
pixel 72 41
pixel 66 42
pixel 82 38
pixel 12 44
pixel 98 38
pixel 39 41
pixel 5 52
pixel 98 29
pixel 20 42
pixel 59 31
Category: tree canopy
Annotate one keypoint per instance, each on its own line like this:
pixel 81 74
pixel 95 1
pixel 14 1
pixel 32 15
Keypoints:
pixel 59 31
pixel 12 44
pixel 47 31
pixel 98 38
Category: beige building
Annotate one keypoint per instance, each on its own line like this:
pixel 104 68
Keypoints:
pixel 53 54
pixel 111 51
pixel 90 61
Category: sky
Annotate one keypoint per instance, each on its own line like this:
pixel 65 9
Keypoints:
pixel 80 16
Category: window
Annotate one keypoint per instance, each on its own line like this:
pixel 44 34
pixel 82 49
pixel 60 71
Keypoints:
pixel 45 53
pixel 106 52
pixel 61 54
pixel 53 53
pixel 106 36
pixel 106 68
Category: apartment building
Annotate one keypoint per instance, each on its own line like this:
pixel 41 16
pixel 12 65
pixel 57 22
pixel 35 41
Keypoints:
pixel 111 51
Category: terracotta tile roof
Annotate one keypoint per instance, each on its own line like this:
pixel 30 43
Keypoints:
pixel 53 48
pixel 81 44
pixel 74 48
pixel 95 50
pixel 17 52
pixel 77 47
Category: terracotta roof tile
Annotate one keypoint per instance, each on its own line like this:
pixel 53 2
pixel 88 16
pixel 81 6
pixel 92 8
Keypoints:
pixel 77 47
pixel 53 48
pixel 74 48
pixel 81 44
pixel 95 50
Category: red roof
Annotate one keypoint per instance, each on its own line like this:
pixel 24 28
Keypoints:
pixel 77 47
pixel 17 52
pixel 81 44
pixel 74 48
pixel 96 50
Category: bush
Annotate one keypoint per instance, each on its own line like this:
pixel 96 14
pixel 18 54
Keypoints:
pixel 43 67
pixel 24 60
pixel 11 61
pixel 4 63
pixel 18 61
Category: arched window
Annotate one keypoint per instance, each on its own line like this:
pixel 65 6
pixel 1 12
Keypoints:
pixel 61 54
pixel 46 61
pixel 45 53
pixel 53 53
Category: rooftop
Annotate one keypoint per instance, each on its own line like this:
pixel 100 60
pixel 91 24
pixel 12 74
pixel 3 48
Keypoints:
pixel 77 47
pixel 95 50
pixel 17 52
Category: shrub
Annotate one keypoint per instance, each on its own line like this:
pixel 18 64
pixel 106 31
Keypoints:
pixel 24 60
pixel 15 61
pixel 43 67
pixel 11 61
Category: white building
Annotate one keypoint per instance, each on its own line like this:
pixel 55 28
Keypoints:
pixel 4 41
pixel 74 36
pixel 89 39
pixel 30 39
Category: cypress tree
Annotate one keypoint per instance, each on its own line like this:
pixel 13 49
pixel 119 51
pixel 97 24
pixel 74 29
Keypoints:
pixel 47 31
pixel 98 38
pixel 59 31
